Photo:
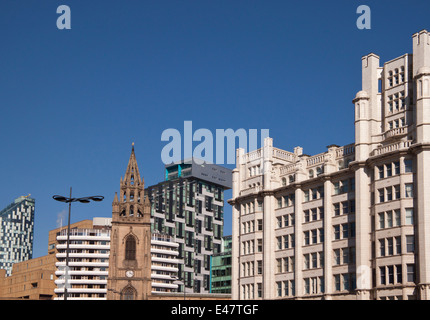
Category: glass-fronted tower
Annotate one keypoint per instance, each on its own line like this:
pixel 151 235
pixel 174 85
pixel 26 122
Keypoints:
pixel 189 204
pixel 16 232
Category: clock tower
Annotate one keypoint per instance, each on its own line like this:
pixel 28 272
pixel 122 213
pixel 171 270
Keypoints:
pixel 130 247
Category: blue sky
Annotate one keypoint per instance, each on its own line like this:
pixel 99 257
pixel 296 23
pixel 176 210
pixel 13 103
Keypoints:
pixel 73 101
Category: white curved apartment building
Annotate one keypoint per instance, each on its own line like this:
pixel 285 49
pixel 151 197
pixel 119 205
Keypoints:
pixel 164 268
pixel 89 262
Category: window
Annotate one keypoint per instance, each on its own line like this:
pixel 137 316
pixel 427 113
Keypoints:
pixel 382 275
pixel 129 293
pixel 381 220
pixel 336 209
pixel 410 272
pixel 381 195
pixel 381 172
pixel 260 224
pixel 397 167
pixel 409 216
pixel 130 248
pixel 306 237
pixel 337 282
pixel 389 194
pixel 382 247
pixel 336 257
pixel 389 219
pixel 408 165
pixel 336 232
pixel 314 236
pixel 397 191
pixel 389 170
pixel 279 203
pixel 410 243
pixel 409 190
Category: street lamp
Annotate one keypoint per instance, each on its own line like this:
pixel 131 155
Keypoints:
pixel 69 201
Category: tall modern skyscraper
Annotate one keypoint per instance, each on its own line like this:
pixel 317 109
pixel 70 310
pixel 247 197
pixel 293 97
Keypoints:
pixel 352 222
pixel 16 232
pixel 189 204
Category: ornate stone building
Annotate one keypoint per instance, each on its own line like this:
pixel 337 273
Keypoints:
pixel 352 222
pixel 130 256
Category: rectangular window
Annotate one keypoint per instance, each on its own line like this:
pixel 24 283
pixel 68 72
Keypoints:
pixel 389 170
pixel 314 236
pixel 389 219
pixel 381 220
pixel 381 195
pixel 409 190
pixel 397 167
pixel 336 257
pixel 398 245
pixel 410 243
pixel 336 188
pixel 306 196
pixel 314 260
pixel 337 282
pixel 397 217
pixel 306 215
pixel 382 247
pixel 389 194
pixel 314 214
pixel 306 237
pixel 410 272
pixel 409 216
pixel 408 165
pixel 399 273
pixel 397 192
pixel 345 231
pixel 381 172
pixel 286 243
pixel 336 209
pixel 390 246
pixel 382 273
pixel 336 232
pixel 390 274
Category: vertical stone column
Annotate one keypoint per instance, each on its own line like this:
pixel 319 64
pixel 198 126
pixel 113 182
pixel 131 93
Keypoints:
pixel 298 234
pixel 236 186
pixel 421 65
pixel 268 222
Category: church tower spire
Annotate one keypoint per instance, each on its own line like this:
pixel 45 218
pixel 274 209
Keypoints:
pixel 130 255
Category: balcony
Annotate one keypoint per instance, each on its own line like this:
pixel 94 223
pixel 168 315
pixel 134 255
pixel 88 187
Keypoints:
pixel 396 133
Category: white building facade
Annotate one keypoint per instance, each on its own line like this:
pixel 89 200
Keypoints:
pixel 352 222
pixel 89 251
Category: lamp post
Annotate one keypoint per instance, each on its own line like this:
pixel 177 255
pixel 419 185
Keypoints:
pixel 69 201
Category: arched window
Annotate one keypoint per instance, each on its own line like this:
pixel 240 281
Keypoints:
pixel 128 293
pixel 130 248
pixel 284 181
pixel 131 211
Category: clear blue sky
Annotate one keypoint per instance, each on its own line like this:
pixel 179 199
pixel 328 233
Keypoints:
pixel 73 101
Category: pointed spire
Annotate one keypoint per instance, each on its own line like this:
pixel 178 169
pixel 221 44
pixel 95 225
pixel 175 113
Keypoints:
pixel 132 175
pixel 115 200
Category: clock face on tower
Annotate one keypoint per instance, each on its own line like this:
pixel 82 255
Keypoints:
pixel 129 273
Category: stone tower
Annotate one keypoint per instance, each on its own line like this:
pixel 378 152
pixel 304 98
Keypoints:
pixel 130 254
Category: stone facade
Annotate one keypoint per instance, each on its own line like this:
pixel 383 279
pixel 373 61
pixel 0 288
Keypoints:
pixel 130 255
pixel 352 222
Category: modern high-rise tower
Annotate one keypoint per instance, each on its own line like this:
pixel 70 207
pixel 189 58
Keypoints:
pixel 16 232
pixel 189 204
